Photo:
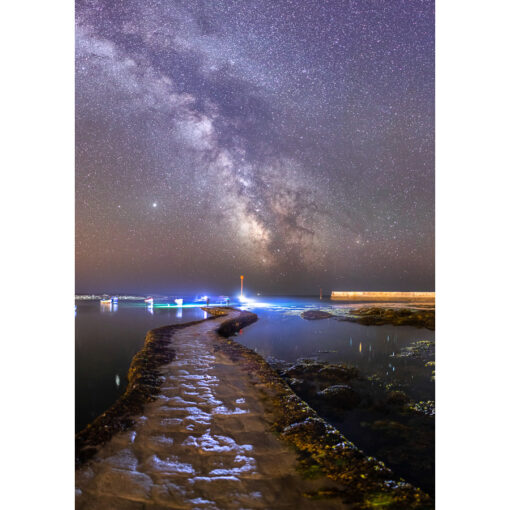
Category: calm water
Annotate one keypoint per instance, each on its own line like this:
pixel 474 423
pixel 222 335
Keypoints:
pixel 281 333
pixel 402 440
pixel 108 338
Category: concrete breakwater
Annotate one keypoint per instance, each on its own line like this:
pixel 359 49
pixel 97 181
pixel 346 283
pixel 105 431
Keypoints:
pixel 342 295
pixel 213 426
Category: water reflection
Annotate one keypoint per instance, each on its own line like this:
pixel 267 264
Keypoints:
pixel 281 333
pixel 105 306
pixel 108 306
pixel 105 345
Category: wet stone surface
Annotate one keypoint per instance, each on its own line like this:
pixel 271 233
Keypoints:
pixel 380 418
pixel 203 442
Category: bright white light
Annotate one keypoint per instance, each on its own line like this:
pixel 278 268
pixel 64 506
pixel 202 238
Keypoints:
pixel 154 204
pixel 179 301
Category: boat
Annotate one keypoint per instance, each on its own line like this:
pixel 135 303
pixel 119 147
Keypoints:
pixel 106 301
pixel 149 301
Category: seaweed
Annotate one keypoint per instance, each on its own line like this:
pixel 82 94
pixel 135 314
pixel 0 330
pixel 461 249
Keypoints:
pixel 378 316
pixel 313 315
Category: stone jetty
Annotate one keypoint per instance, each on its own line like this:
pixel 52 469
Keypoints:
pixel 204 441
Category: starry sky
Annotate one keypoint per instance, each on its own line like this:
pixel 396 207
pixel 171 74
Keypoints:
pixel 291 141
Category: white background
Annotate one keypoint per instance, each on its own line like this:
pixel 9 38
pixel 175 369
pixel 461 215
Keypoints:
pixel 37 254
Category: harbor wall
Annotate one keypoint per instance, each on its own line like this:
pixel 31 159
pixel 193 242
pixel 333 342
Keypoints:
pixel 342 295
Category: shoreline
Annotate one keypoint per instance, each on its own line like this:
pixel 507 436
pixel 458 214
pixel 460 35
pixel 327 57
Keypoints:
pixel 321 448
pixel 143 386
pixel 143 382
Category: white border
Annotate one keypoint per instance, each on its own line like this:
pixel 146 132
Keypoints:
pixel 472 141
pixel 37 211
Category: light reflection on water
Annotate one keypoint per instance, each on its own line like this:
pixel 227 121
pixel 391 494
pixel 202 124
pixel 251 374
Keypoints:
pixel 281 333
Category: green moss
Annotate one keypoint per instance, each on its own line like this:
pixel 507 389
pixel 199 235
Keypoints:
pixel 324 493
pixel 311 470
pixel 381 500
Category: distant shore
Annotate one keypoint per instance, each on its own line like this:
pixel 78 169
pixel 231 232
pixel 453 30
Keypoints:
pixel 368 296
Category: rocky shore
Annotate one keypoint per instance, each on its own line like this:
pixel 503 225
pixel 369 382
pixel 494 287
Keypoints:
pixel 378 316
pixel 379 416
pixel 207 423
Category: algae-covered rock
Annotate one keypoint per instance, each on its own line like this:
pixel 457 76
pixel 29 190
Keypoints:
pixel 321 372
pixel 340 395
pixel 337 372
pixel 397 398
pixel 425 407
pixel 422 349
pixel 378 316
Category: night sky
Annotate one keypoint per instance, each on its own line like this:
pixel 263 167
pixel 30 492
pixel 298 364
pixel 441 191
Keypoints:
pixel 289 141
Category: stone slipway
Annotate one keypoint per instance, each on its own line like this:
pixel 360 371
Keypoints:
pixel 205 423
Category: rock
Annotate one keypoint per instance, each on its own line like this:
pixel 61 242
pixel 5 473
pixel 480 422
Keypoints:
pixel 337 373
pixel 422 349
pixel 397 398
pixel 377 316
pixel 313 315
pixel 303 369
pixel 297 385
pixel 308 428
pixel 425 407
pixel 340 395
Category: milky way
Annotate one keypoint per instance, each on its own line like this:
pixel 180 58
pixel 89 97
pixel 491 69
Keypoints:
pixel 289 141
